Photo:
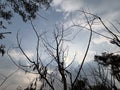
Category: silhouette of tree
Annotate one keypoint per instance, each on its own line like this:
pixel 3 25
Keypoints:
pixel 111 60
pixel 27 9
pixel 57 53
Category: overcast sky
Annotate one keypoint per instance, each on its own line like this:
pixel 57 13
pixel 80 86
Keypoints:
pixel 61 11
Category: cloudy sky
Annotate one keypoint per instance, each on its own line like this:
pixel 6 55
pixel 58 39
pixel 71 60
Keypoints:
pixel 61 12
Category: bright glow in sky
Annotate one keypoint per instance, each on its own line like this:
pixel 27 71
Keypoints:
pixel 62 11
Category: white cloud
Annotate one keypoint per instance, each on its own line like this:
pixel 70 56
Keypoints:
pixel 96 7
pixel 79 52
pixel 19 56
pixel 18 79
pixel 57 2
pixel 89 57
pixel 71 5
pixel 67 5
pixel 100 39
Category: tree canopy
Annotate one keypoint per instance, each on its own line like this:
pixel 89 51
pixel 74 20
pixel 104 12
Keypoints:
pixel 49 63
pixel 27 9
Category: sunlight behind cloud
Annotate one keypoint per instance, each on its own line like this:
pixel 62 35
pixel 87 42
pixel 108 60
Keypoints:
pixel 76 53
pixel 65 12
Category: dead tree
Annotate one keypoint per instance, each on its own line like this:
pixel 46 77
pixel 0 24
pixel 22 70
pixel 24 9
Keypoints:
pixel 55 52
